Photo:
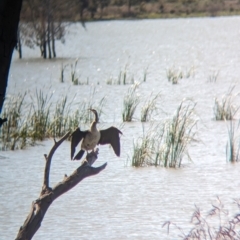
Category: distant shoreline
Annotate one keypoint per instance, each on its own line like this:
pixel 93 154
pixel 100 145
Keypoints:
pixel 183 16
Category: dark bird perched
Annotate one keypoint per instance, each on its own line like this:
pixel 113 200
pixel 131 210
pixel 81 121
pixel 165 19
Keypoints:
pixel 92 137
pixel 2 121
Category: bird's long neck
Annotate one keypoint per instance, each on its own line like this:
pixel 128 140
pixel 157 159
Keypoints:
pixel 94 123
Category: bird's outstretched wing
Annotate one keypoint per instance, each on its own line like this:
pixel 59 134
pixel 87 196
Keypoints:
pixel 111 136
pixel 76 137
pixel 79 155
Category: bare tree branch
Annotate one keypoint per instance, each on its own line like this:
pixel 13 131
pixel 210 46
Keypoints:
pixel 40 206
pixel 48 162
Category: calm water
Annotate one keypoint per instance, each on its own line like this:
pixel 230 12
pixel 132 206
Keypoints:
pixel 124 202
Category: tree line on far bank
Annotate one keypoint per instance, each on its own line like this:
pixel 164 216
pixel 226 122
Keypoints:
pixel 43 22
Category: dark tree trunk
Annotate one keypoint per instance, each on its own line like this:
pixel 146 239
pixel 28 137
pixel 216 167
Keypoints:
pixel 44 47
pixel 48 30
pixel 19 45
pixel 48 195
pixel 53 39
pixel 49 40
pixel 9 19
pixel 129 7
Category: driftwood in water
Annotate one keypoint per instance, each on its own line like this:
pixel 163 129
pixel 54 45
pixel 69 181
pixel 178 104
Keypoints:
pixel 48 195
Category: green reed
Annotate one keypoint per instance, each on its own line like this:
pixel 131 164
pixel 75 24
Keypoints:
pixel 174 75
pixel 148 108
pixel 63 67
pixel 123 78
pixel 233 144
pixel 165 144
pixel 145 75
pixel 143 149
pixel 224 108
pixel 130 103
pixel 14 131
pixel 40 119
pixel 175 135
pixel 74 77
pixel 28 123
pixel 213 76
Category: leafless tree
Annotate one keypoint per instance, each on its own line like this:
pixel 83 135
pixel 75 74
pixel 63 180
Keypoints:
pixel 44 25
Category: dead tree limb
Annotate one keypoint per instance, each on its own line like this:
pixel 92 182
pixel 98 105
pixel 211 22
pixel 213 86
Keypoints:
pixel 40 206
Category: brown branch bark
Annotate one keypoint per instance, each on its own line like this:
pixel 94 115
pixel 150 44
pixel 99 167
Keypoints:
pixel 40 206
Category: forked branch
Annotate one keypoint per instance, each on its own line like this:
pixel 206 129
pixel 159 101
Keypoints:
pixel 40 206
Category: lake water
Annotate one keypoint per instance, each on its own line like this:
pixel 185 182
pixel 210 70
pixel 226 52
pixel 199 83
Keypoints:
pixel 123 202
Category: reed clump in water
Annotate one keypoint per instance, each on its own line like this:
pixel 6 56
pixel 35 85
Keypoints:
pixel 175 136
pixel 169 141
pixel 28 123
pixel 213 76
pixel 233 144
pixel 143 149
pixel 148 108
pixel 124 77
pixel 15 131
pixel 130 103
pixel 40 118
pixel 174 75
pixel 224 108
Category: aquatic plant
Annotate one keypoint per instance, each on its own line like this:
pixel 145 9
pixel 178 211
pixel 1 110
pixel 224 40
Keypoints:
pixel 216 224
pixel 122 79
pixel 224 109
pixel 145 75
pixel 189 72
pixel 166 143
pixel 28 123
pixel 233 144
pixel 63 67
pixel 130 103
pixel 148 108
pixel 74 77
pixel 40 119
pixel 143 149
pixel 59 123
pixel 175 135
pixel 174 75
pixel 213 76
pixel 15 130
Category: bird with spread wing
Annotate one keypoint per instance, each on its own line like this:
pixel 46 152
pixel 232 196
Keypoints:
pixel 92 137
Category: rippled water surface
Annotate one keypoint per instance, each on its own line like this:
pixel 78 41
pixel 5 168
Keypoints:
pixel 124 202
